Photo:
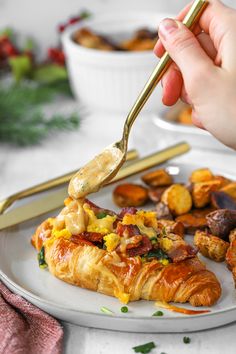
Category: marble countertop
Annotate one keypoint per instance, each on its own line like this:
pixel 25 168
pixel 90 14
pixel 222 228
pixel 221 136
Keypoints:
pixel 23 167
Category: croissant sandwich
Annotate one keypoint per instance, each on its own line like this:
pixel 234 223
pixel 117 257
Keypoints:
pixel 131 255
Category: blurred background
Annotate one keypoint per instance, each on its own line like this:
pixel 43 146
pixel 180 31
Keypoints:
pixel 39 18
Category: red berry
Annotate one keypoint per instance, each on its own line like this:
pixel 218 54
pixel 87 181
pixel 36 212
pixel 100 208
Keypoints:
pixel 7 48
pixel 61 28
pixel 74 20
pixel 56 55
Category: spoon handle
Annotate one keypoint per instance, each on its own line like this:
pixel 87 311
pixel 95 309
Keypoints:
pixel 190 20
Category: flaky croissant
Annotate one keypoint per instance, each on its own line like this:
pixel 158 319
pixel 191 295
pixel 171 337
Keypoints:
pixel 80 262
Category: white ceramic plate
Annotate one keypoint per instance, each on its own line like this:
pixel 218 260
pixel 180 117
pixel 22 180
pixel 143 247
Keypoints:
pixel 20 272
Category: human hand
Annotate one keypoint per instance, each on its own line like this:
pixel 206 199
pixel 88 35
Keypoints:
pixel 204 70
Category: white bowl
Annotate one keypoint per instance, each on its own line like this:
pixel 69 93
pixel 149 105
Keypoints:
pixel 166 120
pixel 111 81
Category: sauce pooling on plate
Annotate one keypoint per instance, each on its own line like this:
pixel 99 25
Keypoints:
pixel 92 176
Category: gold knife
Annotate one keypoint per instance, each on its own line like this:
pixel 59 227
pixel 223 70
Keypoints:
pixel 55 200
pixel 52 183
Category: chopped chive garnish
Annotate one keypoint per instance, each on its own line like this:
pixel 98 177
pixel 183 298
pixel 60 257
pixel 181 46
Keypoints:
pixel 158 313
pixel 41 259
pixel 106 310
pixel 144 348
pixel 101 215
pixel 124 309
pixel 186 340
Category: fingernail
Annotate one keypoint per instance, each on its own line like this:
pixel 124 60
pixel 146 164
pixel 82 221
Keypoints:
pixel 167 27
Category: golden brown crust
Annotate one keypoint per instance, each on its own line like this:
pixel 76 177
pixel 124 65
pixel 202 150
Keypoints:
pixel 211 246
pixel 178 199
pixel 158 178
pixel 127 277
pixel 201 192
pixel 130 194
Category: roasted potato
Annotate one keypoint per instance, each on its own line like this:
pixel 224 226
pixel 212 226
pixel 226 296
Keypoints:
pixel 221 222
pixel 201 175
pixel 232 236
pixel 158 178
pixel 222 200
pixel 155 194
pixel 201 192
pixel 230 189
pixel 129 194
pixel 211 246
pixel 178 199
pixel 192 223
pixel 174 227
pixel 223 180
pixel 163 212
pixel 185 116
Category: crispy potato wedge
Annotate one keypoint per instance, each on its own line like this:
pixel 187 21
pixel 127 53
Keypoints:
pixel 222 200
pixel 211 246
pixel 155 194
pixel 192 222
pixel 201 175
pixel 185 116
pixel 230 189
pixel 201 192
pixel 223 180
pixel 232 235
pixel 178 199
pixel 158 178
pixel 171 226
pixel 221 222
pixel 129 194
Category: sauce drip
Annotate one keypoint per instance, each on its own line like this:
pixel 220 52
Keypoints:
pixel 93 175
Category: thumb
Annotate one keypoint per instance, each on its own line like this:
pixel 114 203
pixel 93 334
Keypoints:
pixel 184 49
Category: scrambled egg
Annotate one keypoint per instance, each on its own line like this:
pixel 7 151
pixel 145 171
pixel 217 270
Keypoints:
pixel 145 220
pixel 57 234
pixel 111 241
pixel 103 226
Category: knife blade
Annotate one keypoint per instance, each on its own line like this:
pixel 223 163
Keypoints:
pixel 54 200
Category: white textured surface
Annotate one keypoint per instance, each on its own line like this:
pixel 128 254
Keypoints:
pixel 26 166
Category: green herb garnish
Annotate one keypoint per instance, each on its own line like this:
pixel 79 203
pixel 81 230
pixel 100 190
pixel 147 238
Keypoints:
pixel 153 240
pixel 106 310
pixel 158 313
pixel 158 253
pixel 101 215
pixel 186 340
pixel 124 309
pixel 41 259
pixel 144 348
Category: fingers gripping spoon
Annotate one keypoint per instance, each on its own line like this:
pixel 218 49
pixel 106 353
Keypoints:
pixel 105 166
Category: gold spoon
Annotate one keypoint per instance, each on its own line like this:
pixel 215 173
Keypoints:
pixel 105 166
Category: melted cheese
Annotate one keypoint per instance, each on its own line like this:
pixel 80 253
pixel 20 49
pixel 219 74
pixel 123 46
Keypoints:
pixel 103 226
pixel 142 218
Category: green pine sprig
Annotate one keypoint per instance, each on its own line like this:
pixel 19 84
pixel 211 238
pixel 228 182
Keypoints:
pixel 22 121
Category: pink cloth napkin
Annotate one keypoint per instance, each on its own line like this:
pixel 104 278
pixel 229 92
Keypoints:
pixel 25 329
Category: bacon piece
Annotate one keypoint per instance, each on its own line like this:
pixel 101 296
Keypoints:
pixel 127 210
pixel 144 247
pixel 182 252
pixel 89 236
pixel 127 230
pixel 96 209
pixel 80 241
